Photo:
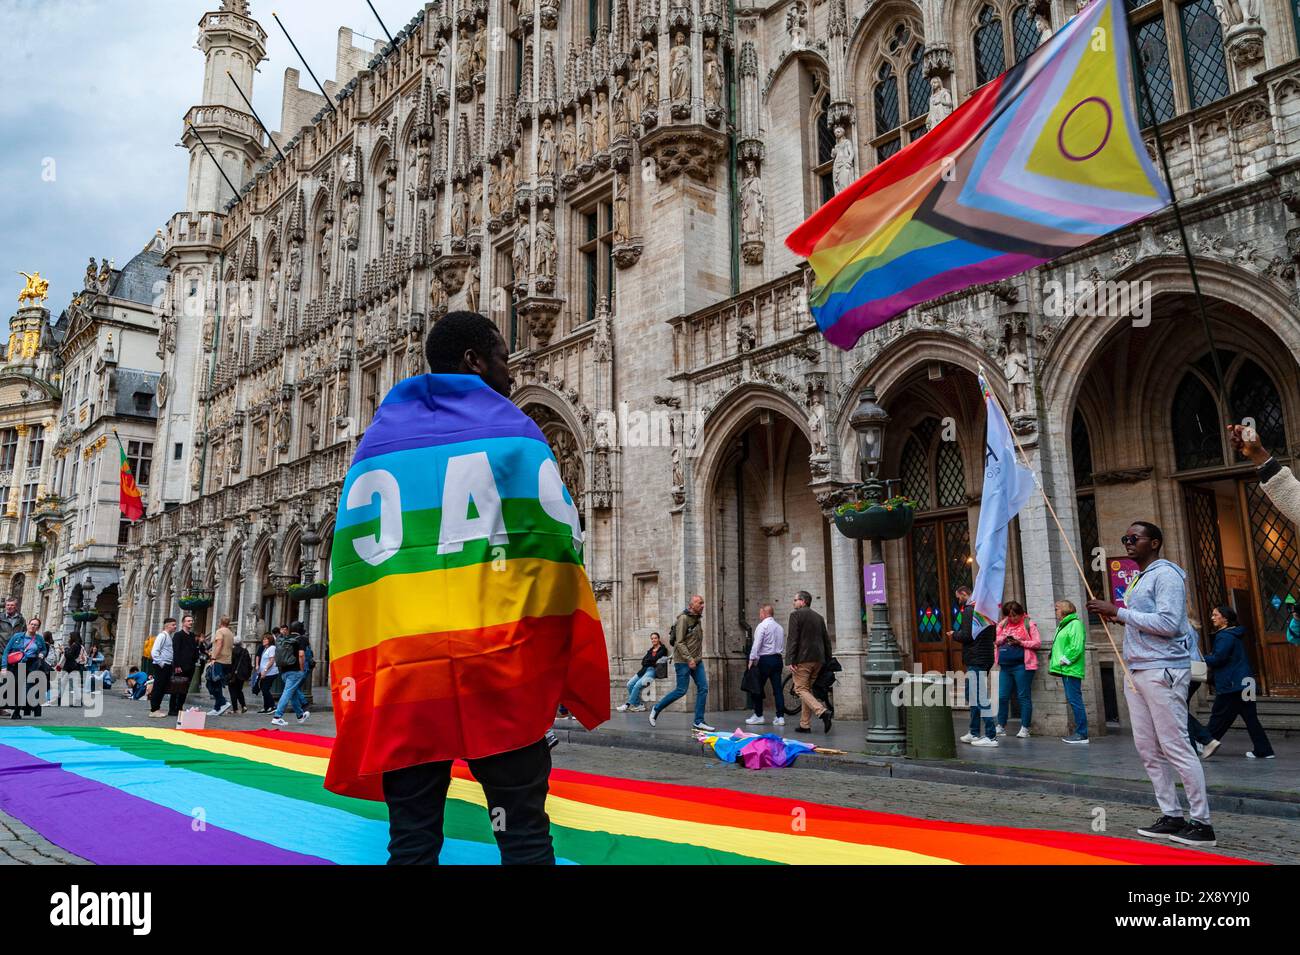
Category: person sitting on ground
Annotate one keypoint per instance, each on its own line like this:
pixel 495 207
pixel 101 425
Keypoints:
pixel 644 676
pixel 1234 686
pixel 1017 663
pixel 1067 663
pixel 135 685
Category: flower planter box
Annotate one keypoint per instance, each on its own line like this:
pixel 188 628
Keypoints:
pixel 876 522
pixel 309 592
pixel 195 603
pixel 86 616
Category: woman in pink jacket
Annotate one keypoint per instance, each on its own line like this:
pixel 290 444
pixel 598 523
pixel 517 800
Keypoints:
pixel 1017 663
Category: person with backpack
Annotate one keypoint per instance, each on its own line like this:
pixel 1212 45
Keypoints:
pixel 222 651
pixel 688 651
pixel 1067 662
pixel 291 659
pixel 977 655
pixel 241 668
pixel 267 674
pixel 1017 641
pixel 304 689
pixel 1232 679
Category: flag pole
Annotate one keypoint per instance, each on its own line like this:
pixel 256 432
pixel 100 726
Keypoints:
pixel 1178 221
pixel 1064 536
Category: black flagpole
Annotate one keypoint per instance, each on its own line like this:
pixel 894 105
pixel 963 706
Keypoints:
pixel 1178 220
pixel 214 160
pixel 391 41
pixel 328 101
pixel 254 112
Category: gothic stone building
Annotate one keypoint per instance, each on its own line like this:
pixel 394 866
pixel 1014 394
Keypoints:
pixel 611 182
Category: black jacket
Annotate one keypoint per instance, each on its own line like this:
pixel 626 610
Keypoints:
pixel 185 652
pixel 653 656
pixel 977 651
pixel 806 639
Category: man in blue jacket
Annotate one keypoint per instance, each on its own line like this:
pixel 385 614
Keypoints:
pixel 1159 661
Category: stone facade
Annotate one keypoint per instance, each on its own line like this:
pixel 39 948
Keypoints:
pixel 575 181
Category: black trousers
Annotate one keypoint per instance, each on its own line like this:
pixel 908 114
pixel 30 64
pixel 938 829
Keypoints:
pixel 770 667
pixel 267 685
pixel 515 784
pixel 162 678
pixel 24 691
pixel 236 689
pixel 1227 707
pixel 1197 732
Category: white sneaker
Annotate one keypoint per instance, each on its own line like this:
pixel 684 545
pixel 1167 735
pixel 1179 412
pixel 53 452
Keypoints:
pixel 1002 731
pixel 622 707
pixel 652 717
pixel 1024 733
pixel 303 718
pixel 755 720
pixel 984 741
pixel 967 738
pixel 704 726
pixel 1251 755
pixel 157 715
pixel 279 721
pixel 639 708
pixel 779 721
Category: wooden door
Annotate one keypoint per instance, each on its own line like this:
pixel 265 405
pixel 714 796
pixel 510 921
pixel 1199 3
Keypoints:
pixel 1207 554
pixel 938 552
pixel 1275 575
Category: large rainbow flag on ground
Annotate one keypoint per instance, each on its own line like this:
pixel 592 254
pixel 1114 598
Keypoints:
pixel 1043 159
pixel 150 796
pixel 459 611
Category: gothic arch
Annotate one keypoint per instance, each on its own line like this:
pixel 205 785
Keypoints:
pixel 809 59
pixel 734 411
pixel 566 443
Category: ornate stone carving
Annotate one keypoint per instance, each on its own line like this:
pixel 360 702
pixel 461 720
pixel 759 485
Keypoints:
pixel 679 69
pixel 539 313
pixel 695 150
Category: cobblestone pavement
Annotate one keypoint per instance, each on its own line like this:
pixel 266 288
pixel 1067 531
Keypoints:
pixel 1260 838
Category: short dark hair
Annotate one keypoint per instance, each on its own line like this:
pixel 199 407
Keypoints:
pixel 962 589
pixel 805 597
pixel 297 627
pixel 1153 532
pixel 167 620
pixel 655 633
pixel 1228 614
pixel 1013 606
pixel 453 335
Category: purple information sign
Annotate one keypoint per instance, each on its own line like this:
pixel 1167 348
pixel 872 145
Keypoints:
pixel 873 583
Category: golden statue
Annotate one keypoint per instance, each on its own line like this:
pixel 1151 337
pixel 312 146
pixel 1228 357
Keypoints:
pixel 35 291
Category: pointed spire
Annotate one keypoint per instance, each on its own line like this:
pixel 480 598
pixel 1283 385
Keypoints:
pixel 422 129
pixel 297 219
pixel 462 144
pixel 248 263
pixel 571 74
pixel 748 59
pixel 622 27
pixel 548 72
pixel 600 54
pixel 526 71
pixel 839 25
pixel 480 120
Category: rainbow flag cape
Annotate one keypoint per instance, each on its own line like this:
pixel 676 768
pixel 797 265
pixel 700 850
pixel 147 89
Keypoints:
pixel 755 751
pixel 1043 159
pixel 460 615
pixel 152 796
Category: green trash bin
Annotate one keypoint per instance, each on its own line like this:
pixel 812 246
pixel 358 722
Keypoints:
pixel 929 717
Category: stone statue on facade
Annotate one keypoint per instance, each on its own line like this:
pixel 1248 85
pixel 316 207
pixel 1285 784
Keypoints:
pixel 619 107
pixel 519 255
pixel 105 280
pixel 649 76
pixel 1016 367
pixel 273 281
pixel 423 165
pixel 751 204
pixel 324 252
pixel 352 221
pixel 459 213
pixel 437 295
pixel 842 166
pixel 622 209
pixel 92 283
pixel 545 245
pixel 584 134
pixel 295 268
pixel 600 124
pixel 679 70
pixel 471 286
pixel 494 194
pixel 940 102
pixel 546 149
pixel 713 79
pixel 444 64
pixel 568 145
pixel 464 61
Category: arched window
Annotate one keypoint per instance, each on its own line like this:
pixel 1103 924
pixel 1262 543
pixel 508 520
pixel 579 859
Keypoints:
pixel 990 55
pixel 1195 425
pixel 949 481
pixel 1081 451
pixel 1024 32
pixel 825 140
pixel 1253 395
pixel 1086 502
pixel 1203 62
pixel 914 474
pixel 900 111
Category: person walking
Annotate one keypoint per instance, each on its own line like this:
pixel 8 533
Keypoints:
pixel 1234 686
pixel 290 658
pixel 299 630
pixel 221 653
pixel 185 661
pixel 808 649
pixel 267 674
pixel 644 676
pixel 21 663
pixel 241 668
pixel 1067 662
pixel 978 652
pixel 766 656
pixel 161 657
pixel 1017 639
pixel 688 664
pixel 1159 662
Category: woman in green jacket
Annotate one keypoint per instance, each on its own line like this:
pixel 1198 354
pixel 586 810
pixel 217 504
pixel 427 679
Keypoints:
pixel 1067 663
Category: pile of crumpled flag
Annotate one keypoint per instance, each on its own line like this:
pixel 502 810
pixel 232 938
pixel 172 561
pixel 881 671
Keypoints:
pixel 754 751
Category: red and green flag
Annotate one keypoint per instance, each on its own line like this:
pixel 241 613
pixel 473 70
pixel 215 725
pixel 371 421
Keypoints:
pixel 129 499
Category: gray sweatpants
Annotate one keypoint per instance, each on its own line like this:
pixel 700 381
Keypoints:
pixel 1158 710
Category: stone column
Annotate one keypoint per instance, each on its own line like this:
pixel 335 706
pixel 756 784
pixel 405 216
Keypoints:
pixel 848 625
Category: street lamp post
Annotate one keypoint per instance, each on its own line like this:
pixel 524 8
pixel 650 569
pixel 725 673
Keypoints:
pixel 885 735
pixel 310 539
pixel 87 585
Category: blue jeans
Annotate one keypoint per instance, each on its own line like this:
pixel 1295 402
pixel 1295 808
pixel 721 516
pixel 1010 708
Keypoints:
pixel 769 668
pixel 1023 680
pixel 684 675
pixel 639 683
pixel 981 704
pixel 1074 696
pixel 291 693
pixel 216 681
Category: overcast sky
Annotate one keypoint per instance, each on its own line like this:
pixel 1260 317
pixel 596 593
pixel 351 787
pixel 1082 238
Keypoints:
pixel 92 93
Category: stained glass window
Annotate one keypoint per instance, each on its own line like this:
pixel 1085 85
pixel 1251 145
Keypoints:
pixel 956 548
pixel 1152 52
pixel 1277 557
pixel 950 482
pixel 990 58
pixel 925 584
pixel 1081 451
pixel 1197 443
pixel 1253 396
pixel 918 87
pixel 1207 68
pixel 886 98
pixel 1024 31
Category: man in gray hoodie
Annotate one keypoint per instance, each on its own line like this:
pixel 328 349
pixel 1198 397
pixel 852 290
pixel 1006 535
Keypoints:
pixel 1159 659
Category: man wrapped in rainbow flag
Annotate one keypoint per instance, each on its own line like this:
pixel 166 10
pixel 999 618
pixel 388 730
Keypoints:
pixel 460 614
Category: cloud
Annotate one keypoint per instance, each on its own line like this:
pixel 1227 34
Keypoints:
pixel 95 94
